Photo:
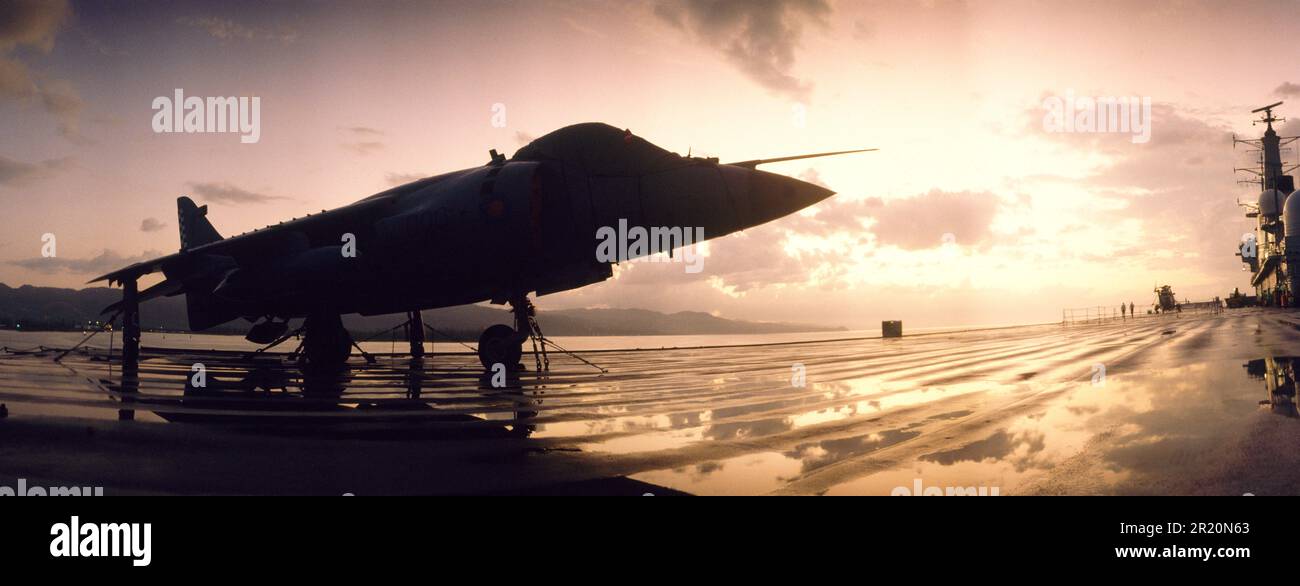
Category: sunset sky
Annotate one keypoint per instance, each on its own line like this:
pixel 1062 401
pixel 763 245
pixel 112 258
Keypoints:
pixel 360 96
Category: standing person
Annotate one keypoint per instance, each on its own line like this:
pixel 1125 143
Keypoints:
pixel 1122 314
pixel 1130 309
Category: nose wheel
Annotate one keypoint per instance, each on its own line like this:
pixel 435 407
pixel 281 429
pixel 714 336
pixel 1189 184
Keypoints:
pixel 503 344
pixel 500 344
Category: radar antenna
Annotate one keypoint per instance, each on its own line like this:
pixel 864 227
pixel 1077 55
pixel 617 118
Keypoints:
pixel 1270 149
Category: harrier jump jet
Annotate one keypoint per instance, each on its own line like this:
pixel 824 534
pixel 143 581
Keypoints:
pixel 498 233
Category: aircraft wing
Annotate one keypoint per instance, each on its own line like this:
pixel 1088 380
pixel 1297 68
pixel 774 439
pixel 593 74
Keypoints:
pixel 320 229
pixel 141 268
pixel 166 288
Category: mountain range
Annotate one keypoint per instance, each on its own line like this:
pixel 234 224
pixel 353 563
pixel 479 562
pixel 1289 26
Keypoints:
pixel 51 308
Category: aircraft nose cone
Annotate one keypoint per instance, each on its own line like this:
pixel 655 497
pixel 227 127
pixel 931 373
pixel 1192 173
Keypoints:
pixel 773 196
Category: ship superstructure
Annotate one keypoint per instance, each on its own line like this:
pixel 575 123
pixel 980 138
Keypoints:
pixel 1272 251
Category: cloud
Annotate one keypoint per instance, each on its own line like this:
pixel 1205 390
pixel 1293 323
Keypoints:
pixel 227 30
pixel 523 138
pixel 364 147
pixel 15 80
pixel 17 173
pixel 104 262
pixel 61 100
pixel 758 38
pixel 227 193
pixel 36 24
pixel 362 140
pixel 1288 89
pixel 1178 189
pixel 364 130
pixel 396 179
pixel 923 221
pixel 863 30
pixel 917 222
pixel 152 225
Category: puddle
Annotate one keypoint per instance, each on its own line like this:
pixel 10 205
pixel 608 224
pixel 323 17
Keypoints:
pixel 1134 433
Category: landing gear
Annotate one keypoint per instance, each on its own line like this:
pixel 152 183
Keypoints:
pixel 505 345
pixel 500 344
pixel 415 333
pixel 325 343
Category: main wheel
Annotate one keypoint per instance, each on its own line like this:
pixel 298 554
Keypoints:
pixel 500 343
pixel 326 343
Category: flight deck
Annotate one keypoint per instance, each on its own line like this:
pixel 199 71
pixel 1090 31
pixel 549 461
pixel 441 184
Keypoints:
pixel 1181 404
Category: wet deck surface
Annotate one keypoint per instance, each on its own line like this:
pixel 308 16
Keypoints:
pixel 1187 405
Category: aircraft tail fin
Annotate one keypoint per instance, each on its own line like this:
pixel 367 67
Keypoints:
pixel 195 228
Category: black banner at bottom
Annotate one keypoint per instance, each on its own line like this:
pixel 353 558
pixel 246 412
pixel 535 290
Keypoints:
pixel 163 535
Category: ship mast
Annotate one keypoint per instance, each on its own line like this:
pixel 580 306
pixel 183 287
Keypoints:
pixel 1272 253
pixel 1271 173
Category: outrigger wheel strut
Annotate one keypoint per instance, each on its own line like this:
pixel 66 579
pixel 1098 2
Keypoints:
pixel 526 321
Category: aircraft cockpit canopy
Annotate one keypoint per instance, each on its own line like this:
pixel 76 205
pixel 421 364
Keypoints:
pixel 601 149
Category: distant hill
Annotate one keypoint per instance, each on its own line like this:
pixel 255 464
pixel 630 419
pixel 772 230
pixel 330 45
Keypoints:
pixel 51 308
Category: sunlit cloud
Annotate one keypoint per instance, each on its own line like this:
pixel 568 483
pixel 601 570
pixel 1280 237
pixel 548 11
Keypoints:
pixel 758 38
pixel 229 194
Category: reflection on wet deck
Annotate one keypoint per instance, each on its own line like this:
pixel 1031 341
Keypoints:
pixel 1020 409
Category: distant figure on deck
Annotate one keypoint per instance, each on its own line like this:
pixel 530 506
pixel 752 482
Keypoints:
pixel 1131 310
pixel 1123 311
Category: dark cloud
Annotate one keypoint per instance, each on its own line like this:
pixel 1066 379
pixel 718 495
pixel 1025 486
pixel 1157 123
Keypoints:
pixel 1288 89
pixel 35 23
pixel 229 30
pixel 757 37
pixel 364 131
pixel 152 225
pixel 106 261
pixel 18 173
pixel 227 193
pixel 15 79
